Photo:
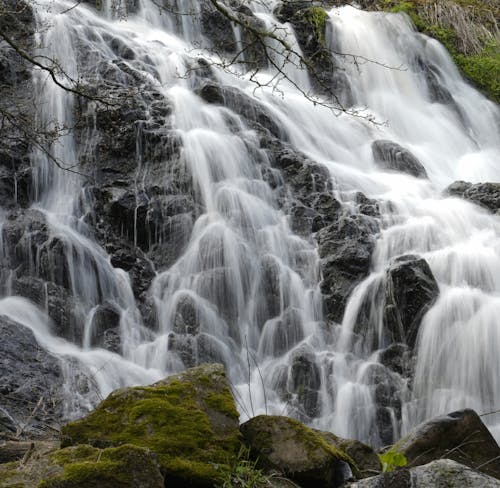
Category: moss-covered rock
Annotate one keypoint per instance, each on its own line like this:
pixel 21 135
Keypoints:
pixel 300 453
pixel 85 466
pixel 189 420
pixel 365 457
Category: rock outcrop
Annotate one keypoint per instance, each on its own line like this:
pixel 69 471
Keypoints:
pixel 392 157
pixel 31 385
pixel 486 195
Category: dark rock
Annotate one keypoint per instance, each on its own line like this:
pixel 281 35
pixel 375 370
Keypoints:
pixel 397 358
pixel 441 473
pixel 345 248
pixel 487 195
pixel 460 436
pixel 393 157
pixel 366 459
pixel 106 328
pixel 31 385
pixel 301 454
pixel 410 290
pixel 60 305
pixel 256 114
pixel 305 381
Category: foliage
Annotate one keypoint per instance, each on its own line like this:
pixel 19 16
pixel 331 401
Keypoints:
pixel 245 474
pixel 391 460
pixel 462 27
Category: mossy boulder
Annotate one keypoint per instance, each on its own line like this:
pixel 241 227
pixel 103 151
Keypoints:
pixel 188 420
pixel 460 436
pixel 366 459
pixel 85 466
pixel 301 454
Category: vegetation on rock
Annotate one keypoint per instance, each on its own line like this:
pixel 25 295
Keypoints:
pixel 189 420
pixel 469 31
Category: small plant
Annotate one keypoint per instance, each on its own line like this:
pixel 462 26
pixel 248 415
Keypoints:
pixel 245 474
pixel 391 460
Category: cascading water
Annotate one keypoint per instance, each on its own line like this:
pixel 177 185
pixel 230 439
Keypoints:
pixel 245 290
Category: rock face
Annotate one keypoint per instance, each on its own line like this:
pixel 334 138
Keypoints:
pixel 189 420
pixel 445 473
pixel 31 384
pixel 393 157
pixel 285 445
pixel 345 248
pixel 410 290
pixel 460 436
pixel 487 195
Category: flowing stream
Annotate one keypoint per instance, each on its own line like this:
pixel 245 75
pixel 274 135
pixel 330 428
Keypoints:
pixel 253 283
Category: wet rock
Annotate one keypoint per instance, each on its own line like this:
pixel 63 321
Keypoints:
pixel 345 249
pixel 410 290
pixel 186 316
pixel 23 233
pixel 282 334
pixel 136 264
pixel 106 328
pixel 397 358
pixel 444 472
pixel 388 390
pixel 64 310
pixel 487 195
pixel 391 156
pixel 301 454
pixel 31 385
pixel 366 459
pixel 255 113
pixel 188 420
pixel 305 381
pixel 460 436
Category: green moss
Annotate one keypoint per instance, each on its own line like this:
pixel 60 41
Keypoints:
pixel 190 422
pixel 88 467
pixel 317 17
pixel 268 439
pixel 481 69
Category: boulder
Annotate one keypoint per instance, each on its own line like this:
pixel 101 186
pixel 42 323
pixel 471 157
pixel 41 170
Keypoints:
pixel 392 157
pixel 460 436
pixel 410 290
pixel 487 195
pixel 31 384
pixel 301 454
pixel 188 420
pixel 365 457
pixel 441 473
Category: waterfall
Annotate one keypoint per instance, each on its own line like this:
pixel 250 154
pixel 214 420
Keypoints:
pixel 244 286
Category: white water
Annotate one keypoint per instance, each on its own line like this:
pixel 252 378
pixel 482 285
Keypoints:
pixel 242 238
